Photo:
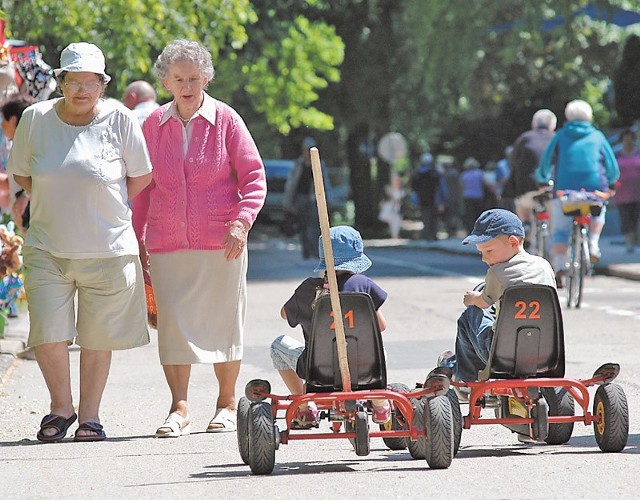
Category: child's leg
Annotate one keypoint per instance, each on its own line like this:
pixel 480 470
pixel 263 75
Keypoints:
pixel 285 352
pixel 473 342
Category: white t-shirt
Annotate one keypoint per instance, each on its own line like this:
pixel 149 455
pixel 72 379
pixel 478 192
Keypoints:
pixel 79 206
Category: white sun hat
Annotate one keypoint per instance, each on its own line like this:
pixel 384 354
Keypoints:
pixel 82 56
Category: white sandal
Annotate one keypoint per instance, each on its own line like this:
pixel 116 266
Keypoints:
pixel 175 425
pixel 223 421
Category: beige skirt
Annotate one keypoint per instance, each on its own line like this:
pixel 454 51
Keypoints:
pixel 201 300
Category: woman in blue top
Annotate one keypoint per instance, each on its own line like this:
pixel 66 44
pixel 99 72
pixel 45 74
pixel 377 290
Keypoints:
pixel 583 160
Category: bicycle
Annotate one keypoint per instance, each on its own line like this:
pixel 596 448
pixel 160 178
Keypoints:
pixel 541 230
pixel 581 205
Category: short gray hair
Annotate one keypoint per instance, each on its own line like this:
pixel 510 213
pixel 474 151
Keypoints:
pixel 578 110
pixel 544 119
pixel 184 50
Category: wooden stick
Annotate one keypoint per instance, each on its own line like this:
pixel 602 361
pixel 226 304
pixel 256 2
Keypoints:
pixel 323 215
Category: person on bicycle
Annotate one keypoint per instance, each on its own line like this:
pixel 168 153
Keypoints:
pixel 525 157
pixel 583 161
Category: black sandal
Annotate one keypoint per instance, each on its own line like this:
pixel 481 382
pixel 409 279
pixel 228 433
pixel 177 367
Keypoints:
pixel 60 424
pixel 91 427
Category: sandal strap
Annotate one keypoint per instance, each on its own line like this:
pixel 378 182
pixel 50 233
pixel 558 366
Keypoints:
pixel 175 422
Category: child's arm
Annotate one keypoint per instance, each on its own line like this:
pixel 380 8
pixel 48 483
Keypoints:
pixel 382 322
pixel 283 313
pixel 474 298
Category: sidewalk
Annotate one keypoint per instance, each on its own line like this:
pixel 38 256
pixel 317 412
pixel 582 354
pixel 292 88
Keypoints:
pixel 13 344
pixel 615 262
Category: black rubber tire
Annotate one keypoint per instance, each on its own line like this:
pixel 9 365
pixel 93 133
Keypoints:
pixel 576 271
pixel 397 423
pixel 561 404
pixel 584 271
pixel 417 448
pixel 438 422
pixel 456 413
pixel 612 432
pixel 362 444
pixel 242 430
pixel 262 441
pixel 540 415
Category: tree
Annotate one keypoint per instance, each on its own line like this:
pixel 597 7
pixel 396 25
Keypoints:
pixel 280 70
pixel 482 68
pixel 625 83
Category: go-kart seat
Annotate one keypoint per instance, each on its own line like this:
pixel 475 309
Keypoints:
pixel 528 340
pixel 365 353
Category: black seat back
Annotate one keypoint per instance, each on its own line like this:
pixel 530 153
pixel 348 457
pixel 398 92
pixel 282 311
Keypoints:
pixel 528 340
pixel 365 353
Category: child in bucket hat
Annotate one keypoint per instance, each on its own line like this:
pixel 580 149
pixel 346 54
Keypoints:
pixel 498 235
pixel 288 354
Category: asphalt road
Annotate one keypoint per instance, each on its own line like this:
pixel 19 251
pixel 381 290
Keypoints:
pixel 425 297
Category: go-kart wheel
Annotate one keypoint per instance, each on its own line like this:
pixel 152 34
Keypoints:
pixel 262 441
pixel 362 434
pixel 456 413
pixel 540 415
pixel 242 429
pixel 396 423
pixel 417 448
pixel 610 405
pixel 361 443
pixel 438 424
pixel 561 404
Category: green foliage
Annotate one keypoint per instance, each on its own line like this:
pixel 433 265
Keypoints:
pixel 131 33
pixel 492 63
pixel 281 70
pixel 283 78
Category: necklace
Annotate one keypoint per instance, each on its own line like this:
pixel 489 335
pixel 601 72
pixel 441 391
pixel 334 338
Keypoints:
pixel 75 120
pixel 184 120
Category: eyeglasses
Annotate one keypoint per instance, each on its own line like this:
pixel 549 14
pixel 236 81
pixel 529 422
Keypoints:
pixel 76 87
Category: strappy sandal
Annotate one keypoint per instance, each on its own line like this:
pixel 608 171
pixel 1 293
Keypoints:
pixel 175 425
pixel 225 420
pixel 306 417
pixel 95 428
pixel 57 422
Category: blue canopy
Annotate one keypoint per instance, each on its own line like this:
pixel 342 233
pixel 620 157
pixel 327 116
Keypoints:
pixel 617 16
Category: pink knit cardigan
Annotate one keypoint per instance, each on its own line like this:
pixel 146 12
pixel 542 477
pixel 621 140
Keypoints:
pixel 192 199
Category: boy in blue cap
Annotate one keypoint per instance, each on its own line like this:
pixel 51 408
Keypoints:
pixel 288 354
pixel 498 235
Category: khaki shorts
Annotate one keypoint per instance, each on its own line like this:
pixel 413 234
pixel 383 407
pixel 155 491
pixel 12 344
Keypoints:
pixel 111 313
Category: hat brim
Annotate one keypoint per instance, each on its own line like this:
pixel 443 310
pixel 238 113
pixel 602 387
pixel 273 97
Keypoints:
pixel 357 265
pixel 58 71
pixel 477 239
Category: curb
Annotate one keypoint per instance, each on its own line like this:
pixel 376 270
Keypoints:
pixel 619 271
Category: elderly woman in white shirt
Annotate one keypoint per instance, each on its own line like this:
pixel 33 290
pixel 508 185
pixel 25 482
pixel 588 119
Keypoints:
pixel 82 159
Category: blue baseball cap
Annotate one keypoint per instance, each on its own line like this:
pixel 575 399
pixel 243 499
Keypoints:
pixel 348 251
pixel 492 223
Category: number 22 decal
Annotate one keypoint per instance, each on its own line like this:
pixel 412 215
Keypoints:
pixel 530 312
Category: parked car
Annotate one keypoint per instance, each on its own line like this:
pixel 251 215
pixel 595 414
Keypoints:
pixel 277 172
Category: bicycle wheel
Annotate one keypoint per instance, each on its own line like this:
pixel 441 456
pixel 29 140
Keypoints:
pixel 542 230
pixel 575 272
pixel 544 241
pixel 585 265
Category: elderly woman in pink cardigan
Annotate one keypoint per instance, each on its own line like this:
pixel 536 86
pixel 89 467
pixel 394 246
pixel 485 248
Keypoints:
pixel 192 224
